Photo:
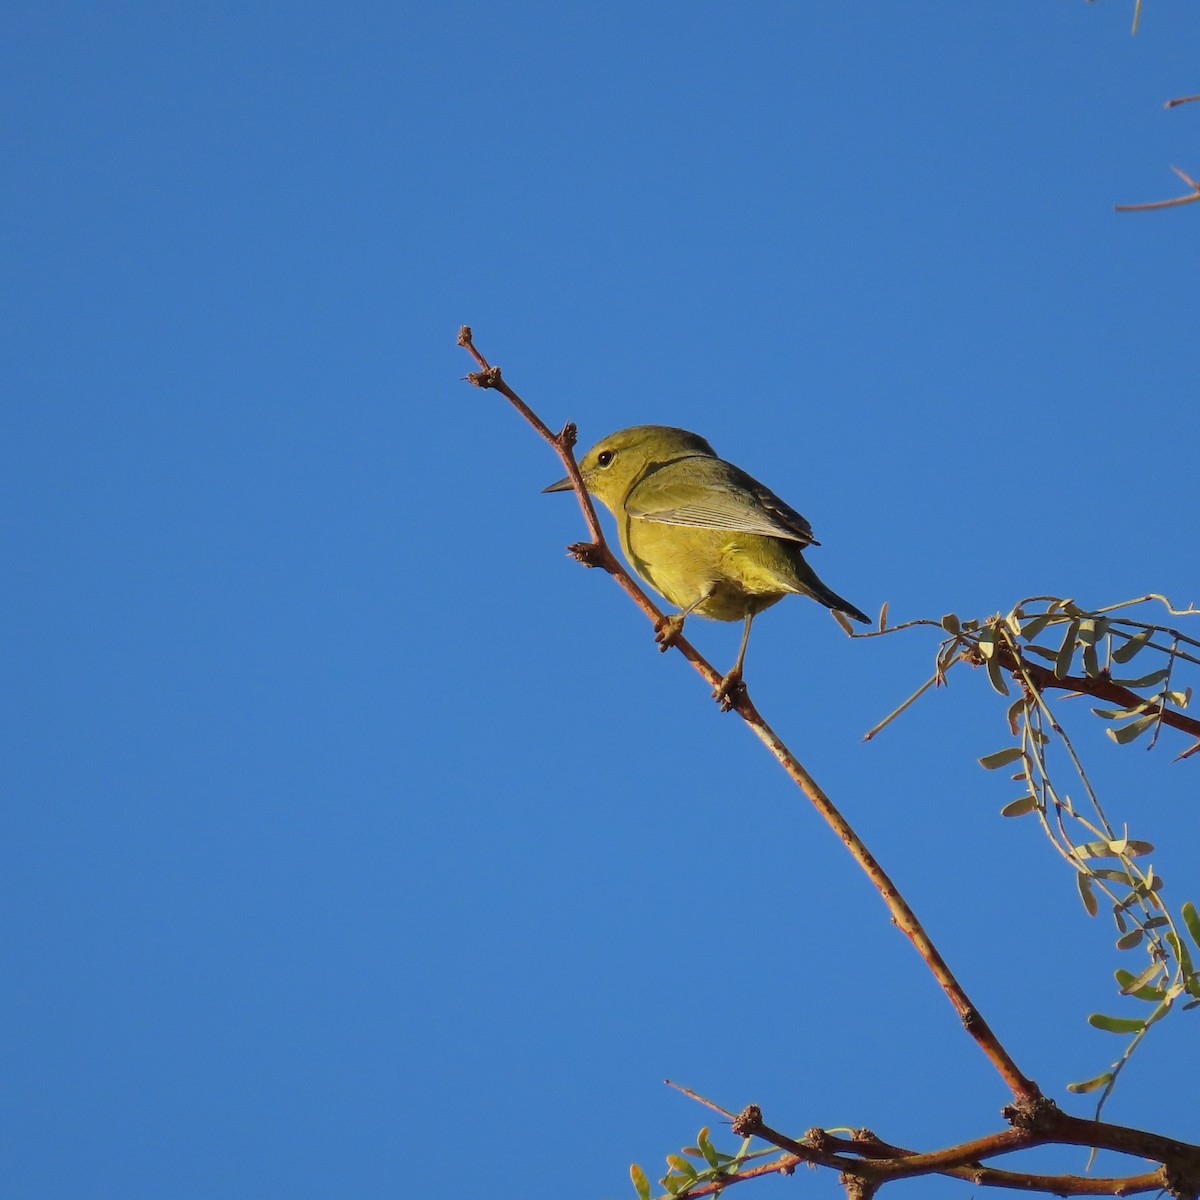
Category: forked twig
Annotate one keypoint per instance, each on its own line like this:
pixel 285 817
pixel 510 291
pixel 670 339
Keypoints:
pixel 1193 196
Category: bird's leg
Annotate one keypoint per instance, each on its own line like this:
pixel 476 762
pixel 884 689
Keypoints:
pixel 725 691
pixel 668 628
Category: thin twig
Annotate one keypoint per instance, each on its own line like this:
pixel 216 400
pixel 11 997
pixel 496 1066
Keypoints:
pixel 687 1091
pixel 1176 200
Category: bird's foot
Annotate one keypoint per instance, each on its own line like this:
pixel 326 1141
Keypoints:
pixel 729 691
pixel 667 630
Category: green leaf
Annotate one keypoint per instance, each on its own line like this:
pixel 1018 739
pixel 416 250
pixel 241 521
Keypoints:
pixel 1019 807
pixel 1192 920
pixel 1120 714
pixel 1130 847
pixel 1135 728
pixel 707 1149
pixel 1124 653
pixel 1000 758
pixel 1181 951
pixel 950 623
pixel 1116 1024
pixel 1139 986
pixel 1090 1085
pixel 1015 709
pixel 680 1164
pixel 1127 941
pixel 996 676
pixel 1092 850
pixel 1112 875
pixel 1041 652
pixel 987 642
pixel 1062 660
pixel 1145 680
pixel 1086 894
pixel 1091 662
pixel 640 1182
pixel 1031 629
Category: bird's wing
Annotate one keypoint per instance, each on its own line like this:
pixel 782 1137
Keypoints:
pixel 709 493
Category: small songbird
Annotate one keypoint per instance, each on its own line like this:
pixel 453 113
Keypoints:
pixel 700 531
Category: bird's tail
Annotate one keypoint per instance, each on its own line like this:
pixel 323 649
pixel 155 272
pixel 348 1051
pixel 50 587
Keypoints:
pixel 828 597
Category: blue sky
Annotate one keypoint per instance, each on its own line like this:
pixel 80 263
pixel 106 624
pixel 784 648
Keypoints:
pixel 356 842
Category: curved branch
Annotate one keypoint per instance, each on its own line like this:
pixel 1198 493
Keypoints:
pixel 1175 200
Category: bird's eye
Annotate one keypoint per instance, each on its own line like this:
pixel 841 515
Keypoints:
pixel 605 457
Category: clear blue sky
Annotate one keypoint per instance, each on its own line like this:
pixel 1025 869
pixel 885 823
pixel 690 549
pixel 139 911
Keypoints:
pixel 357 843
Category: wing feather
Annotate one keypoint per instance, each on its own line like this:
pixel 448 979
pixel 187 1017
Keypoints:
pixel 709 493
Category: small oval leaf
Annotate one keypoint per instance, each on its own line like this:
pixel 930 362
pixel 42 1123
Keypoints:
pixel 1116 1024
pixel 681 1164
pixel 1139 986
pixel 1000 758
pixel 1019 807
pixel 640 1183
pixel 1085 893
pixel 1192 920
pixel 1125 652
pixel 1062 660
pixel 1145 680
pixel 996 676
pixel 1135 728
pixel 1090 1085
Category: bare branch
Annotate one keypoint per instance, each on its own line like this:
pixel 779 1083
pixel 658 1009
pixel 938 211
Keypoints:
pixel 1172 203
pixel 1023 1089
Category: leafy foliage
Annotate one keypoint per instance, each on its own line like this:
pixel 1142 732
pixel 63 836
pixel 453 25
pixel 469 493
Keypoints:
pixel 715 1167
pixel 1036 647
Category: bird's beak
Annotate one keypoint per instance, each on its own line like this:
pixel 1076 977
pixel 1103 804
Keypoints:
pixel 563 485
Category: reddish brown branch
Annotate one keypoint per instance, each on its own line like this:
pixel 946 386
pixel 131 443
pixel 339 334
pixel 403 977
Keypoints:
pixel 596 553
pixel 1099 686
pixel 878 1162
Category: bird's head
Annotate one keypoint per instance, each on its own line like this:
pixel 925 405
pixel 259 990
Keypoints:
pixel 615 463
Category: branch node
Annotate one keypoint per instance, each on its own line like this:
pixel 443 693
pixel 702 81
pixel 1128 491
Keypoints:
pixel 487 378
pixel 566 439
pixel 817 1138
pixel 590 554
pixel 1034 1114
pixel 1181 1180
pixel 748 1122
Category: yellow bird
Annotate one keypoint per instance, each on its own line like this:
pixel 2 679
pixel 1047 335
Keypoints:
pixel 700 531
